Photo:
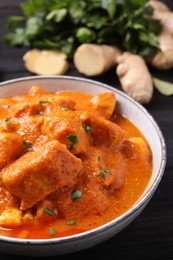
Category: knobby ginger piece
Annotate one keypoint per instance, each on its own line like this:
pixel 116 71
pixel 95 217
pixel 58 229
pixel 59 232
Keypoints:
pixel 163 59
pixel 135 77
pixel 158 6
pixel 165 16
pixel 94 59
pixel 44 62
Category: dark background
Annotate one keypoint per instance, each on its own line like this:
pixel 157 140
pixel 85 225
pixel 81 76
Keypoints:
pixel 150 236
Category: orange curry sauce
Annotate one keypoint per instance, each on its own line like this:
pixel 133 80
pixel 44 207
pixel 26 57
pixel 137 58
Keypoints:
pixel 69 163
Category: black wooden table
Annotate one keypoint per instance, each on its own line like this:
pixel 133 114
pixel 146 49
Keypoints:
pixel 150 236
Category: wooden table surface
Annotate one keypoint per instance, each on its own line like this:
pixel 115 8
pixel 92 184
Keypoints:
pixel 150 236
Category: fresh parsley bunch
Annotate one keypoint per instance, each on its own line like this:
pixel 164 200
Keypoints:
pixel 64 25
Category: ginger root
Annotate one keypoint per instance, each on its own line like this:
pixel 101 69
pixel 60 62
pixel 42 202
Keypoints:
pixel 135 77
pixel 158 6
pixel 163 14
pixel 94 59
pixel 44 62
pixel 163 59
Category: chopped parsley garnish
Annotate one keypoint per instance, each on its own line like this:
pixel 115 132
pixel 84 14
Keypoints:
pixel 103 171
pixel 106 170
pixel 43 101
pixel 98 158
pixel 74 140
pixel 28 144
pixel 88 129
pixel 71 222
pixel 52 231
pixel 50 212
pixel 65 109
pixel 7 121
pixel 76 194
pixel 102 175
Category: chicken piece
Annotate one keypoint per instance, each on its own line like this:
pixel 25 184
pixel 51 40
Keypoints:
pixel 65 125
pixel 101 104
pixel 103 131
pixel 57 104
pixel 36 174
pixel 100 177
pixel 92 199
pixel 11 216
pixel 36 91
pixel 30 129
pixel 6 199
pixel 137 149
pixel 9 125
pixel 22 110
pixel 91 202
pixel 114 171
pixel 11 146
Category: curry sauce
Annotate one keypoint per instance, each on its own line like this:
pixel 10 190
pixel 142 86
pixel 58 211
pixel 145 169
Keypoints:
pixel 69 163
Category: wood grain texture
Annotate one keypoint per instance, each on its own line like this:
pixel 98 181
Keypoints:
pixel 150 236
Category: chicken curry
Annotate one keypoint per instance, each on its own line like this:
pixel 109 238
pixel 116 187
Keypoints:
pixel 69 163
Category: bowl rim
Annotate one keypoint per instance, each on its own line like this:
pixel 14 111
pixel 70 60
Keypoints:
pixel 141 202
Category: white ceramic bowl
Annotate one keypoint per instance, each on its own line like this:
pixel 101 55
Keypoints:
pixel 135 113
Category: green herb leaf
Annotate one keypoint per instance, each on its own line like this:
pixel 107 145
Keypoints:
pixel 164 87
pixel 27 144
pixel 85 35
pixel 7 121
pixel 88 129
pixel 43 101
pixel 102 175
pixel 52 231
pixel 74 140
pixel 65 109
pixel 14 21
pixel 50 212
pixel 34 27
pixel 109 6
pixel 64 25
pixel 106 169
pixel 71 222
pixel 58 15
pixel 76 194
pixel 103 171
